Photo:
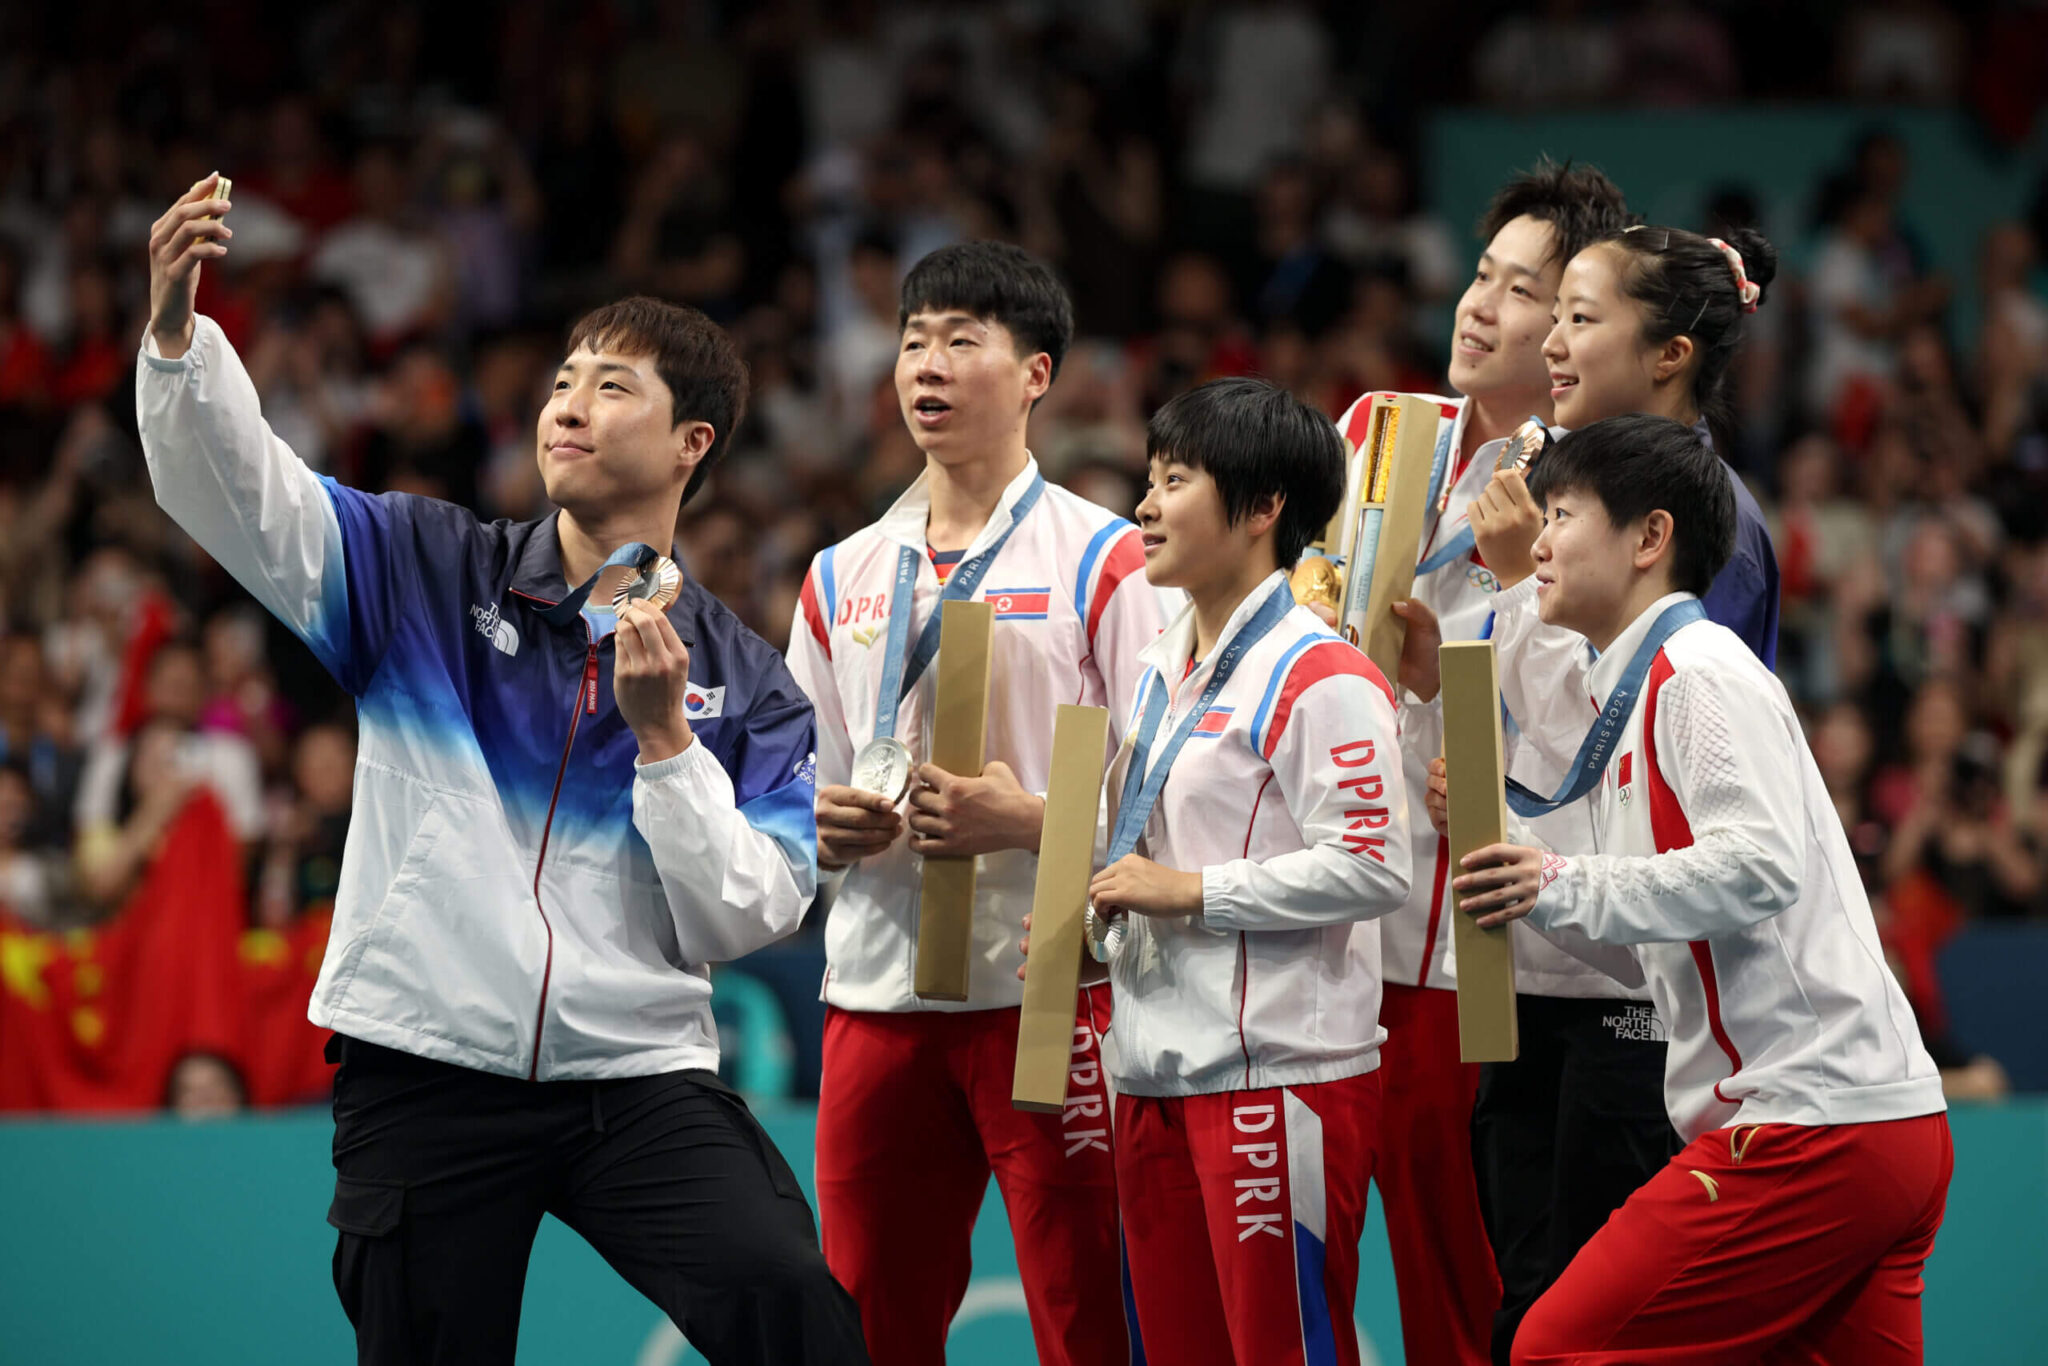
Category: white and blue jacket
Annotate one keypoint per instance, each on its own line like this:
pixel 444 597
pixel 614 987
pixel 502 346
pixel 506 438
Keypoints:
pixel 517 895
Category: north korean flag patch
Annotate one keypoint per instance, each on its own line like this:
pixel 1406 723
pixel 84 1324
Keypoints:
pixel 1020 604
pixel 1212 723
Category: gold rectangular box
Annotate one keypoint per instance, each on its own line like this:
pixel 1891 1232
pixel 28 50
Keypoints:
pixel 1066 861
pixel 945 918
pixel 1487 1029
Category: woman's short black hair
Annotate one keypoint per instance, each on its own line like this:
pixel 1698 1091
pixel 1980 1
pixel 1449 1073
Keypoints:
pixel 1255 439
pixel 1637 463
pixel 994 282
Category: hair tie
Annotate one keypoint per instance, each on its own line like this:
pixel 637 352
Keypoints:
pixel 1748 292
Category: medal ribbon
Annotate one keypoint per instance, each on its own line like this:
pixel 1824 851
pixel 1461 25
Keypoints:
pixel 1599 744
pixel 1452 549
pixel 638 554
pixel 1144 781
pixel 900 676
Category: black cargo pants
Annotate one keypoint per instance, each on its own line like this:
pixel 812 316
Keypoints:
pixel 443 1173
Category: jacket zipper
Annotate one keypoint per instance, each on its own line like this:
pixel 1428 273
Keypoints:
pixel 586 696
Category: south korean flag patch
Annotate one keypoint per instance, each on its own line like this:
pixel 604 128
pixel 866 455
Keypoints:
pixel 701 704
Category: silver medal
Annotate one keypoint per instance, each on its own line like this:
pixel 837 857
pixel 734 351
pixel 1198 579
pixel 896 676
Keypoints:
pixel 883 765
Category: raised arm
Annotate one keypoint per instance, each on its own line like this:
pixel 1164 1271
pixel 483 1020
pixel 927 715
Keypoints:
pixel 225 477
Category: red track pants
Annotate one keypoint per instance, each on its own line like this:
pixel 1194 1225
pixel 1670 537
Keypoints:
pixel 1773 1243
pixel 1242 1212
pixel 914 1113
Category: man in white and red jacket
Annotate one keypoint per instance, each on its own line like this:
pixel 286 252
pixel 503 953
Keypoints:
pixel 1538 1190
pixel 1259 826
pixel 1816 1136
pixel 914 1109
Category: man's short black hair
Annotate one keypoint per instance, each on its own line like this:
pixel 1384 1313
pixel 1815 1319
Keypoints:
pixel 707 381
pixel 1580 203
pixel 1637 463
pixel 996 283
pixel 1254 439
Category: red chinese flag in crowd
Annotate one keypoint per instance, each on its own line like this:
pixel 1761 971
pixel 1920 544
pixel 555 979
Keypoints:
pixel 95 1019
pixel 282 1054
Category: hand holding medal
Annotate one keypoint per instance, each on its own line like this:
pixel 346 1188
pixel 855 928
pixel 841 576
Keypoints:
pixel 859 819
pixel 1505 519
pixel 651 680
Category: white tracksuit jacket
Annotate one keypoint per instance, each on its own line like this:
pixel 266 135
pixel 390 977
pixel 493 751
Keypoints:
pixel 1415 942
pixel 1722 874
pixel 1288 797
pixel 1073 609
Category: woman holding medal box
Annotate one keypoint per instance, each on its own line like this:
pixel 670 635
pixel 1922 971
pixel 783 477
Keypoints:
pixel 1796 1222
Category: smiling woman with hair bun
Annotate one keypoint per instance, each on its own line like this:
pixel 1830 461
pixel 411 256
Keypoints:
pixel 1647 322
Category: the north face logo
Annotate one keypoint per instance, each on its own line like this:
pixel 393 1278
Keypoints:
pixel 491 622
pixel 1635 1024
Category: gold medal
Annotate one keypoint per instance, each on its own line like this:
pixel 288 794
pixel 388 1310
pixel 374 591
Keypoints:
pixel 1315 580
pixel 656 585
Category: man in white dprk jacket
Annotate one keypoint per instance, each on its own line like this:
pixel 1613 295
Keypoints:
pixel 541 863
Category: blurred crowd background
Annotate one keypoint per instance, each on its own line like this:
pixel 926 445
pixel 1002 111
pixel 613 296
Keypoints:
pixel 426 194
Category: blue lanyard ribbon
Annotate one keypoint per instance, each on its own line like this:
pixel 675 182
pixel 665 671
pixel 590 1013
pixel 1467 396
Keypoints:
pixel 1439 471
pixel 638 554
pixel 1144 780
pixel 1451 550
pixel 1599 744
pixel 899 675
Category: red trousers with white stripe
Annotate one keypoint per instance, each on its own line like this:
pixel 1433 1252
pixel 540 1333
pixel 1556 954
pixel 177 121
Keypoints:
pixel 914 1113
pixel 1443 1263
pixel 1242 1213
pixel 1773 1243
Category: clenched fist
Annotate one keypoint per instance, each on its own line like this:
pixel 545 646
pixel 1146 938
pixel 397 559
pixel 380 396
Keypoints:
pixel 1505 524
pixel 952 816
pixel 650 678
